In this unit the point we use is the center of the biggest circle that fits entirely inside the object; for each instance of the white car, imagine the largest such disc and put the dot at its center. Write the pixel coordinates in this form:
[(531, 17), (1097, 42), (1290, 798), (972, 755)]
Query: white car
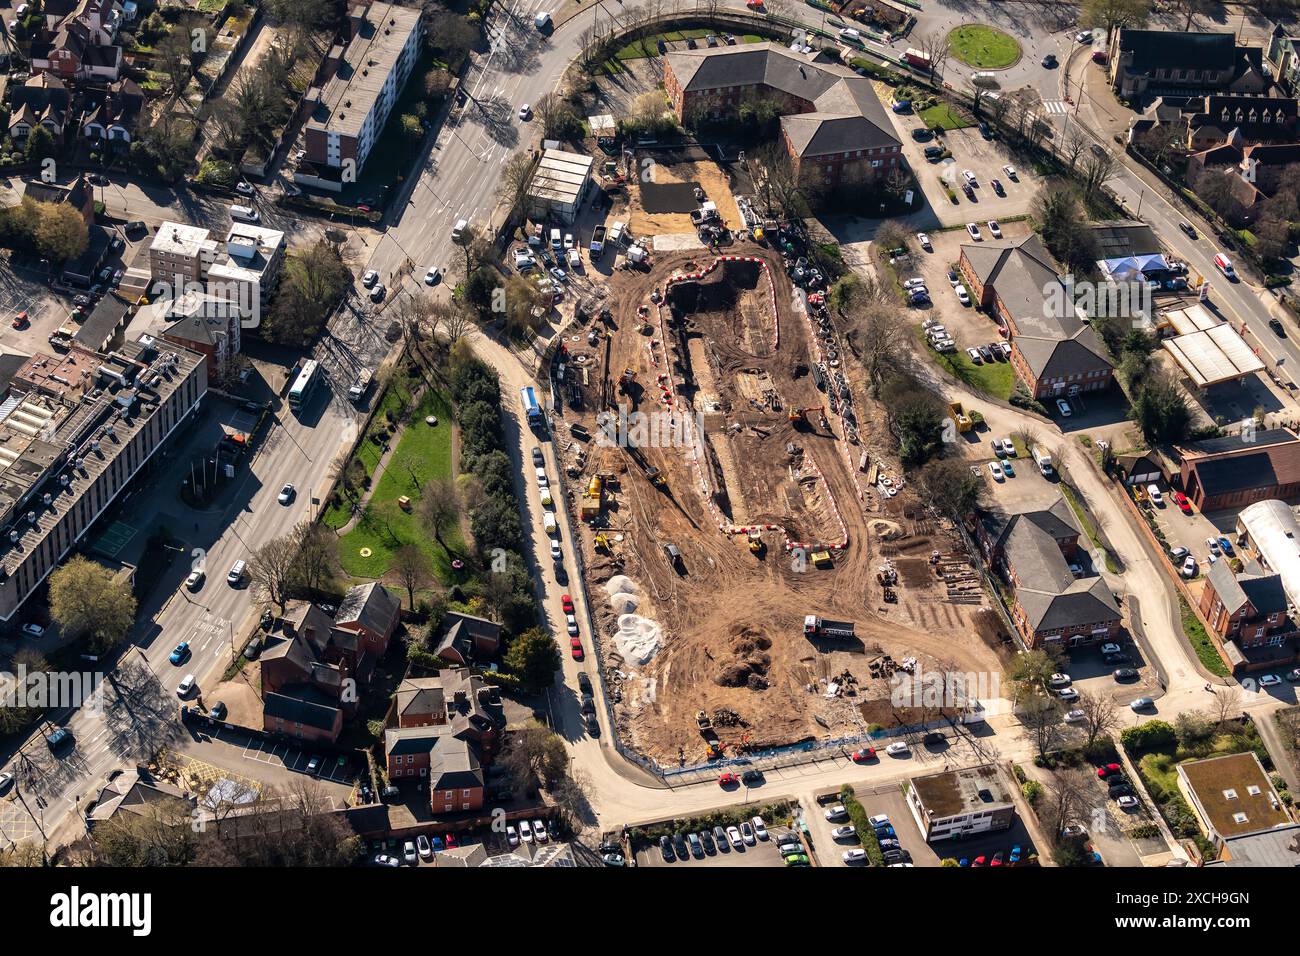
[(974, 231), (836, 812), (1067, 693), (526, 831), (878, 821), (1058, 680), (369, 278), (1011, 173), (1127, 802), (1212, 544), (1005, 349), (844, 833), (286, 494), (916, 282), (924, 240), (568, 240), (995, 228), (962, 295), (1189, 567), (969, 177), (760, 828), (539, 831), (542, 481), (524, 262), (897, 748), (1064, 408), (1110, 648), (186, 686), (571, 625), (854, 856), (194, 581), (734, 836), (1008, 448), (1154, 494), (974, 356), (1269, 680), (747, 834), (423, 847), (33, 630), (996, 471), (433, 276), (244, 189), (1083, 36), (409, 853), (1074, 716), (512, 835), (556, 553), (525, 111)]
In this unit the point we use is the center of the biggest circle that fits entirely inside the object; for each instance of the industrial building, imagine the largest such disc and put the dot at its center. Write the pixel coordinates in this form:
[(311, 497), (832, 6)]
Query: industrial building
[(960, 803), (558, 186)]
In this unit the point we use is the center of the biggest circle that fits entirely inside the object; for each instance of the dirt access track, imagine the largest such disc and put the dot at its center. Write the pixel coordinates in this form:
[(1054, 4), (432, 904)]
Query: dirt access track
[(720, 352)]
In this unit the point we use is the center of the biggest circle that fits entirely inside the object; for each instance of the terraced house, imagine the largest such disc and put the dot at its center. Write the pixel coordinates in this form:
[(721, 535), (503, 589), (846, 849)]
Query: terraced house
[(833, 127)]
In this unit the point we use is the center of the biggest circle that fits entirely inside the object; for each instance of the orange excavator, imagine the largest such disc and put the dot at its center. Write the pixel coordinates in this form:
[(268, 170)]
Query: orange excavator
[(799, 417)]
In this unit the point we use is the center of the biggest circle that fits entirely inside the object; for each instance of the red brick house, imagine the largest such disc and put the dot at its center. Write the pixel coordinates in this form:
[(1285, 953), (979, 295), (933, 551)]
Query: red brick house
[(447, 762), (834, 128), (1229, 472), (464, 639), (453, 696), (1249, 608)]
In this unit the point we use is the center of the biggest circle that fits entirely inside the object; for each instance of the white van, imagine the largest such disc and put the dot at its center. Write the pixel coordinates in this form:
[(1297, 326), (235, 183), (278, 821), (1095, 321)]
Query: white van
[(458, 230), (236, 573), (244, 213), (548, 522), (1224, 265), (542, 21), (850, 35)]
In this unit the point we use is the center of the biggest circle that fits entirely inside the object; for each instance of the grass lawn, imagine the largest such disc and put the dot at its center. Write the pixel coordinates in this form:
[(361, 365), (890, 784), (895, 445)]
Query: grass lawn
[(991, 378), (983, 47), (396, 397), (943, 116), (1200, 641), (423, 453)]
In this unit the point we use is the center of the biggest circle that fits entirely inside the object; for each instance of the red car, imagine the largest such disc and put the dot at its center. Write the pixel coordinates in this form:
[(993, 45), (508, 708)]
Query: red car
[(728, 780), (1106, 771), (997, 860), (979, 861), (1184, 505), (754, 4), (20, 320), (566, 602), (575, 647), (865, 754)]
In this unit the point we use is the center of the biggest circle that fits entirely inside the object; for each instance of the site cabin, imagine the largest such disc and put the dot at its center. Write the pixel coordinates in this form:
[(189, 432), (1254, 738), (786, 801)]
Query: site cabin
[(532, 410), (598, 240), (616, 233), (814, 626)]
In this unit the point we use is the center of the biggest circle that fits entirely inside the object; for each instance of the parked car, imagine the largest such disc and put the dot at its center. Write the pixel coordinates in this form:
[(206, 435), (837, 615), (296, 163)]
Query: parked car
[(1184, 505), (1269, 680), (1189, 567), (854, 856), (1125, 673), (863, 754), (897, 749), (423, 848), (844, 833), (1142, 703), (994, 228), (1064, 408), (836, 812), (995, 470), (974, 231), (733, 835)]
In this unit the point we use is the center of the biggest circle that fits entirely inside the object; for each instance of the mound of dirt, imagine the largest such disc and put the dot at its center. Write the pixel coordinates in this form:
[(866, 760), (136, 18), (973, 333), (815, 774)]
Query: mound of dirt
[(749, 668), (637, 638)]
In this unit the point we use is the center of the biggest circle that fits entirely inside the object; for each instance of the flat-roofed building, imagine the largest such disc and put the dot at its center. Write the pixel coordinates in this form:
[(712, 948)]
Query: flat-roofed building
[(365, 76), (1232, 796), (558, 185), (959, 803), (74, 432)]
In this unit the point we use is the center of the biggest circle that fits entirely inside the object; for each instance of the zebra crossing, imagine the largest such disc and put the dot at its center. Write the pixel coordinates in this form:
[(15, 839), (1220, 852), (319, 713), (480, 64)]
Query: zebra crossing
[(1056, 106)]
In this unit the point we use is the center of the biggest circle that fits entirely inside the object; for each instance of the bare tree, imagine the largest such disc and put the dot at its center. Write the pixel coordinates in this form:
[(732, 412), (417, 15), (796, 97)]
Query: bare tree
[(935, 46), (1098, 167), (439, 509), (516, 175), (273, 570), (1066, 799), (1226, 705), (1100, 716), (1072, 146), (412, 570), (879, 336), (317, 548), (1043, 721)]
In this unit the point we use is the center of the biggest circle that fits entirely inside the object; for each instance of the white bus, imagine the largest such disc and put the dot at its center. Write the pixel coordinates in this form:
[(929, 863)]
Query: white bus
[(303, 385)]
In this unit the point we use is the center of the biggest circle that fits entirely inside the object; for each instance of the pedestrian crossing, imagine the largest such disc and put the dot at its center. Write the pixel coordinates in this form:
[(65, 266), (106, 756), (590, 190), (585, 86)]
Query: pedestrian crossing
[(1056, 106)]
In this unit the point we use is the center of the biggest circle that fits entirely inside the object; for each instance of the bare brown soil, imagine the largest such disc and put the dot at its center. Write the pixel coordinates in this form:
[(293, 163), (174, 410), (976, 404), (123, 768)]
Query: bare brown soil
[(732, 620)]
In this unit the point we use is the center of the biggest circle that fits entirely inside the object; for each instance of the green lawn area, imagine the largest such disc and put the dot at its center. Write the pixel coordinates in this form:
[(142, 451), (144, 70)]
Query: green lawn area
[(1201, 642), (649, 46), (983, 47), (991, 378), (396, 397), (944, 116), (423, 453)]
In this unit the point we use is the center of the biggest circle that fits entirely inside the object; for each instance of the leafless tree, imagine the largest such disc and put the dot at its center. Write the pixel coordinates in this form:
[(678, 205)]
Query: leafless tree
[(1100, 716), (1065, 800), (1226, 705), (412, 570), (1042, 719), (516, 175), (1098, 167), (935, 46), (317, 549), (879, 336), (439, 509), (273, 570), (1072, 146)]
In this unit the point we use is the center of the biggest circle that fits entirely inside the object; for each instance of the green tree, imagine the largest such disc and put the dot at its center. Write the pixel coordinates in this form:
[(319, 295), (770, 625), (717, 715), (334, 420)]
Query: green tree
[(87, 599), (534, 656), (40, 145), (60, 232), (535, 756)]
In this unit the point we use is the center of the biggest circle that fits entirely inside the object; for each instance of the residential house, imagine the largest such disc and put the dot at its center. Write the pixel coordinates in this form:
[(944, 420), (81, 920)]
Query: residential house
[(834, 128), (1150, 62), (138, 793), (78, 194), (42, 100), (453, 696), (111, 116), (1053, 351), (1036, 551), (1236, 470), (1254, 171), (1250, 608), (465, 639), (1282, 57), (1198, 123), (440, 755), (83, 45)]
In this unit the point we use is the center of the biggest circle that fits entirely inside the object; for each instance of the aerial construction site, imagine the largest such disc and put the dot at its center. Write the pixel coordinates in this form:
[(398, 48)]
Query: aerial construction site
[(730, 480)]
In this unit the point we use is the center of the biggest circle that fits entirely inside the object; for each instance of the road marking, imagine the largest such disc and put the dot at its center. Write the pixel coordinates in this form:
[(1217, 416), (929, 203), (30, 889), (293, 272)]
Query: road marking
[(1056, 106)]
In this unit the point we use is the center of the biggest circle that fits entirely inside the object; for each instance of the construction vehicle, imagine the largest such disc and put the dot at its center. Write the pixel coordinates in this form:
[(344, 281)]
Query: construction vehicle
[(814, 626), (702, 720), (822, 559), (964, 423), (643, 320), (756, 545), (799, 416), (601, 542), (597, 240), (887, 575), (626, 380)]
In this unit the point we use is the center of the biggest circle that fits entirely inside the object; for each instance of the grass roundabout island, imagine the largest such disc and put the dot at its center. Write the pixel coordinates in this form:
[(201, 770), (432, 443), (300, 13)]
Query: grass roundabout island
[(983, 47)]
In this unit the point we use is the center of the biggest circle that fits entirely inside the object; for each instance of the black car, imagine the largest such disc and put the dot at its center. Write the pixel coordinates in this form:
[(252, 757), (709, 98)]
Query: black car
[(1121, 791), (666, 848), (593, 725), (1049, 61), (934, 738), (985, 131), (707, 839), (98, 179), (1276, 326), (690, 43), (218, 711), (933, 152), (253, 648), (1188, 228), (826, 799), (1125, 673), (752, 778), (538, 460), (561, 575), (267, 620), (922, 135), (584, 682), (588, 704), (680, 845), (895, 856)]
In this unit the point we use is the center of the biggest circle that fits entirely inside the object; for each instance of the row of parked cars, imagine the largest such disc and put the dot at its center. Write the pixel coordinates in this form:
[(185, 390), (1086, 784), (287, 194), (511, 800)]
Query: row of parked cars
[(890, 848), (698, 845)]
